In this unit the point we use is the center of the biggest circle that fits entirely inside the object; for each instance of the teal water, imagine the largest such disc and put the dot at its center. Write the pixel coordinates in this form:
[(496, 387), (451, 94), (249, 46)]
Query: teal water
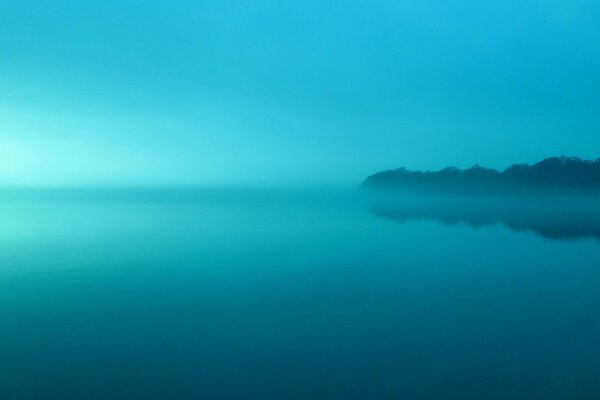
[(242, 294)]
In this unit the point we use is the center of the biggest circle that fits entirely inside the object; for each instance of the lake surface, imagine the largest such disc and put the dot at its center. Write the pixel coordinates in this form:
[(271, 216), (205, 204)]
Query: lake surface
[(292, 294)]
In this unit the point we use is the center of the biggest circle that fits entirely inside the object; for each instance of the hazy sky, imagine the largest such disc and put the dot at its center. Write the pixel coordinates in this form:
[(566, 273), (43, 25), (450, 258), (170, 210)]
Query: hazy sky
[(218, 91)]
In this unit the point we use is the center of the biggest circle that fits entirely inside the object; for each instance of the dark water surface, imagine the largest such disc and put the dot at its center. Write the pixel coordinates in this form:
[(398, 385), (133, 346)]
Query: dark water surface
[(217, 294)]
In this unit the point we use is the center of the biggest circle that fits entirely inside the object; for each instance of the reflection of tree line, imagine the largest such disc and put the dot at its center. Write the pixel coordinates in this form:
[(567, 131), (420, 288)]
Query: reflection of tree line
[(550, 218)]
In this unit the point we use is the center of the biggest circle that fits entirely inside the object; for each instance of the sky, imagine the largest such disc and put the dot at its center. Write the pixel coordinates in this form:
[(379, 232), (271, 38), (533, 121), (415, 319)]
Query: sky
[(291, 92)]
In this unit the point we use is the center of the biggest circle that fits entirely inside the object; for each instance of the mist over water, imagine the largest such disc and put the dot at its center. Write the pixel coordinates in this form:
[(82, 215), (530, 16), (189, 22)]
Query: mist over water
[(468, 271), (153, 293)]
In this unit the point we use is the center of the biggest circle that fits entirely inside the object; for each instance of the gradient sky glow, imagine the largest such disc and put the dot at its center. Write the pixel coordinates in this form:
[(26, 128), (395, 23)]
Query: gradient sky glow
[(270, 91)]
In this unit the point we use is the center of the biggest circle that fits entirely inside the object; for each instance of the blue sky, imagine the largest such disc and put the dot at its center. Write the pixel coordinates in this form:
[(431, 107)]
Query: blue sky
[(226, 92)]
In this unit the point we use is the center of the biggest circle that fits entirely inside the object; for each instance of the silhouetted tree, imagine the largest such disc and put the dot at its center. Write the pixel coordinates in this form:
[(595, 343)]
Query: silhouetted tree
[(552, 174)]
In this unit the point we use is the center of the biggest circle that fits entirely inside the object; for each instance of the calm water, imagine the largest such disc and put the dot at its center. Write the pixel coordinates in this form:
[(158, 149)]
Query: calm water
[(212, 294)]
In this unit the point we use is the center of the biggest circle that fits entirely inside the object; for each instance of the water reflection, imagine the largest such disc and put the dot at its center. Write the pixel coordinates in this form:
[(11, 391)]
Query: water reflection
[(568, 218)]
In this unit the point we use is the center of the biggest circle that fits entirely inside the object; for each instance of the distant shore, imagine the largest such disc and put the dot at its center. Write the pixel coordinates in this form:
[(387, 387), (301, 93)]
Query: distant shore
[(557, 175)]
